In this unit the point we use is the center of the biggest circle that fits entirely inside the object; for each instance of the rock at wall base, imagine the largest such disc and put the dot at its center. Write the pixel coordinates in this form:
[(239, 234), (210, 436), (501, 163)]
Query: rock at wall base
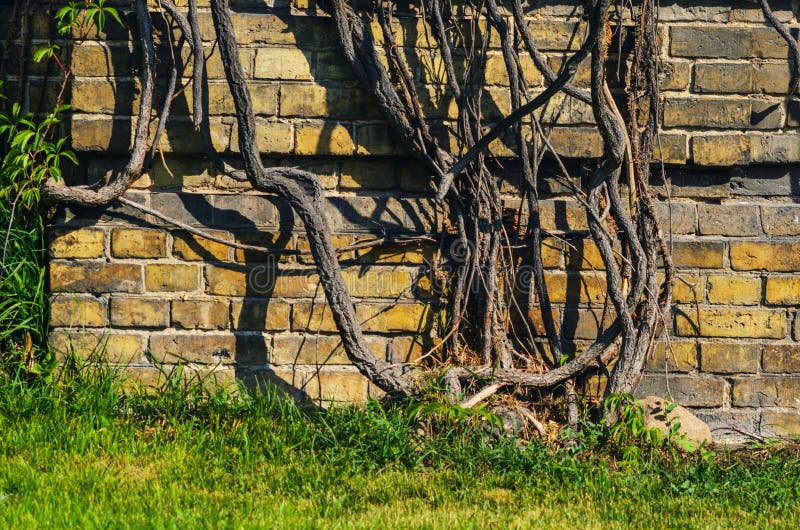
[(696, 431)]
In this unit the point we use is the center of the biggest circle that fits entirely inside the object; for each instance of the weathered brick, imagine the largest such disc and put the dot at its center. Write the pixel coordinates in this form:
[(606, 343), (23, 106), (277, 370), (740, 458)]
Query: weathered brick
[(101, 60), (687, 289), (675, 75), (84, 243), (324, 139), (736, 290), (783, 290), (781, 424), (672, 148), (394, 319), (396, 254), (171, 277), (729, 358), (191, 247), (260, 314), (95, 277), (562, 215), (229, 281), (404, 349), (781, 220), (700, 254), (723, 78), (497, 74), (677, 217), (729, 219), (104, 96), (576, 288), (78, 311), (305, 349), (197, 347), (781, 358), (312, 317), (685, 390), (109, 347), (136, 243), (272, 137), (770, 78), (334, 103), (316, 350), (377, 139), (766, 392), (330, 385), (729, 42), (283, 63), (200, 314), (774, 148), (378, 282), (677, 356), (765, 255), (728, 113), (556, 34), (577, 142), (139, 312), (338, 242), (733, 323)]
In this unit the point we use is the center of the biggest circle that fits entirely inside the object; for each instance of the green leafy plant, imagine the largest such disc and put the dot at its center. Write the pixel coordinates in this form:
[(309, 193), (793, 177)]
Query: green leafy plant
[(33, 154)]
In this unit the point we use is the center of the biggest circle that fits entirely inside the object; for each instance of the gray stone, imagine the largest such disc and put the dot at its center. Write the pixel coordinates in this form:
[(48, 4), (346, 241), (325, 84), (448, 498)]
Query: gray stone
[(696, 431)]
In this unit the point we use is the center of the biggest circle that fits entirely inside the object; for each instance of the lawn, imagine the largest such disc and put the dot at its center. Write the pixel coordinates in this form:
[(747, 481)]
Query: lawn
[(81, 453)]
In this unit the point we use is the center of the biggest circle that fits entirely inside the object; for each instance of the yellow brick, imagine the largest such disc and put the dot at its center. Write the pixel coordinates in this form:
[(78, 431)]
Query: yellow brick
[(114, 348), (367, 175), (135, 243), (78, 311), (678, 357), (94, 277), (226, 281), (338, 386), (396, 318), (171, 277), (200, 314), (338, 242), (260, 314), (139, 312), (197, 347), (688, 288), (396, 254), (283, 63), (575, 288), (313, 317), (720, 150), (273, 137), (729, 358), (378, 140), (733, 323), (763, 255), (737, 290), (191, 247), (323, 139), (700, 254), (497, 74), (297, 284), (85, 243), (407, 349), (376, 283), (313, 350), (783, 290), (583, 254)]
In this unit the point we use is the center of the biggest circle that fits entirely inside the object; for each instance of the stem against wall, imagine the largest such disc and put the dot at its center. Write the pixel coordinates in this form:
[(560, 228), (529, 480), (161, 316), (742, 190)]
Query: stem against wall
[(485, 295)]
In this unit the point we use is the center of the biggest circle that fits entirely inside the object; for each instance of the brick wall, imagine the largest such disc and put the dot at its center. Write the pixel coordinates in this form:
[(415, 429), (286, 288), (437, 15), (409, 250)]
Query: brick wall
[(154, 294)]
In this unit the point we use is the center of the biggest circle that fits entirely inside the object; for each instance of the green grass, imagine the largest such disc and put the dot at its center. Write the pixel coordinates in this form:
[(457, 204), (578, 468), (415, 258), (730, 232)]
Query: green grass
[(79, 453)]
